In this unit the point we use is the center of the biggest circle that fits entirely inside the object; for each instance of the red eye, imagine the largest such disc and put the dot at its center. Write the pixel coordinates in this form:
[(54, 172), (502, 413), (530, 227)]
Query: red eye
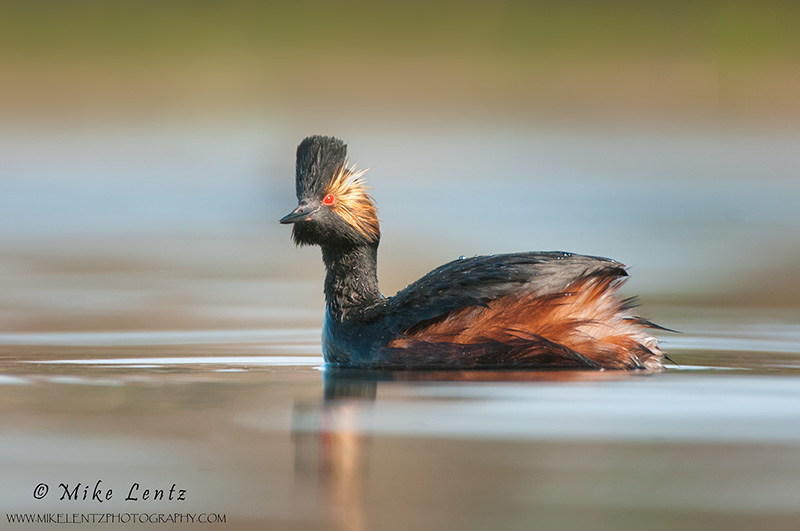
[(328, 200)]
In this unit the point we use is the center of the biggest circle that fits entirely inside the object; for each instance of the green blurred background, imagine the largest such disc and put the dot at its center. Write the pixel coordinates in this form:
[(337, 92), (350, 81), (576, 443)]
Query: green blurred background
[(582, 59)]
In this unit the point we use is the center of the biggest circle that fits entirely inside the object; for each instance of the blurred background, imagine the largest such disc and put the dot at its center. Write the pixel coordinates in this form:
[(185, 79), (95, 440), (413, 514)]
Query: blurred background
[(158, 325), (147, 150)]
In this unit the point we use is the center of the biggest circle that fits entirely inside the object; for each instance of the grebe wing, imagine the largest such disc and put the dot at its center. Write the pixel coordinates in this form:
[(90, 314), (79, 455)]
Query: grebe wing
[(478, 280)]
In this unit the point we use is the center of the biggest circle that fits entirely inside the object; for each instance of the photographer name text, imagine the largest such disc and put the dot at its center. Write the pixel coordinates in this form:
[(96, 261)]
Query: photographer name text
[(99, 493)]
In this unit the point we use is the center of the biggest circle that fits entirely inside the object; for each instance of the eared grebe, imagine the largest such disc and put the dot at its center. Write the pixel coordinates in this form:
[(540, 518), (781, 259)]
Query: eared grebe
[(529, 310)]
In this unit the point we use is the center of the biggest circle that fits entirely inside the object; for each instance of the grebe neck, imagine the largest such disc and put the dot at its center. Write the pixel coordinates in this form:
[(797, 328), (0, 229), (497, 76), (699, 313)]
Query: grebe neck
[(352, 278)]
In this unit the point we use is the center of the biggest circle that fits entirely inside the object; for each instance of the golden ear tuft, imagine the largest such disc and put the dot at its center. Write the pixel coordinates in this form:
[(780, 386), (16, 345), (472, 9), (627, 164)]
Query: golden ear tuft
[(352, 202)]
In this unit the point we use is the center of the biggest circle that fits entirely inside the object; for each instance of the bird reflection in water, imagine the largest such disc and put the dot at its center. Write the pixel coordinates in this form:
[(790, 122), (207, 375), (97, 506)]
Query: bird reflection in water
[(332, 447), (333, 437)]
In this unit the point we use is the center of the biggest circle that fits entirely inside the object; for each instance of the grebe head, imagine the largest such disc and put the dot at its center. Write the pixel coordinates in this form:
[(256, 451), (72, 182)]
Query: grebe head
[(334, 208)]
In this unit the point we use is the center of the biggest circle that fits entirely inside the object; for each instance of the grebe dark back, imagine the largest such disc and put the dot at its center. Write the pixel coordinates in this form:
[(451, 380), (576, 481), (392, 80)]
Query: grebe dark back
[(530, 310)]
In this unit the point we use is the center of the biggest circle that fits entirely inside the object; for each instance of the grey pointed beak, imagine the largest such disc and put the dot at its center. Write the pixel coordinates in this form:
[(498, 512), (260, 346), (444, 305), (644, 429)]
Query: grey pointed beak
[(303, 212)]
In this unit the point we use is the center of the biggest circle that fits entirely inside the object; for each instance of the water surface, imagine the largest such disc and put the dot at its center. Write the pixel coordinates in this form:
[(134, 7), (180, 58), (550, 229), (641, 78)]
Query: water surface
[(170, 341)]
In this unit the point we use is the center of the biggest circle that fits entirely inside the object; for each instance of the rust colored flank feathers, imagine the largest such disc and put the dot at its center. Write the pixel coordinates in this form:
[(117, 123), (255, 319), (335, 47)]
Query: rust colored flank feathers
[(586, 321)]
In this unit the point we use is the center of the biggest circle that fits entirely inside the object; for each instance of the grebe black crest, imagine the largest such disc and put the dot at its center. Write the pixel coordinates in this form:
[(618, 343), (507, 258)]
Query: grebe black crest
[(531, 310)]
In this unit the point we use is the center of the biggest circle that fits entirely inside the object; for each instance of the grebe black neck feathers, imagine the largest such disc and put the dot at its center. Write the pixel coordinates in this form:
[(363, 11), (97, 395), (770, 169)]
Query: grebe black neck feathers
[(351, 282), (336, 213), (523, 310)]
